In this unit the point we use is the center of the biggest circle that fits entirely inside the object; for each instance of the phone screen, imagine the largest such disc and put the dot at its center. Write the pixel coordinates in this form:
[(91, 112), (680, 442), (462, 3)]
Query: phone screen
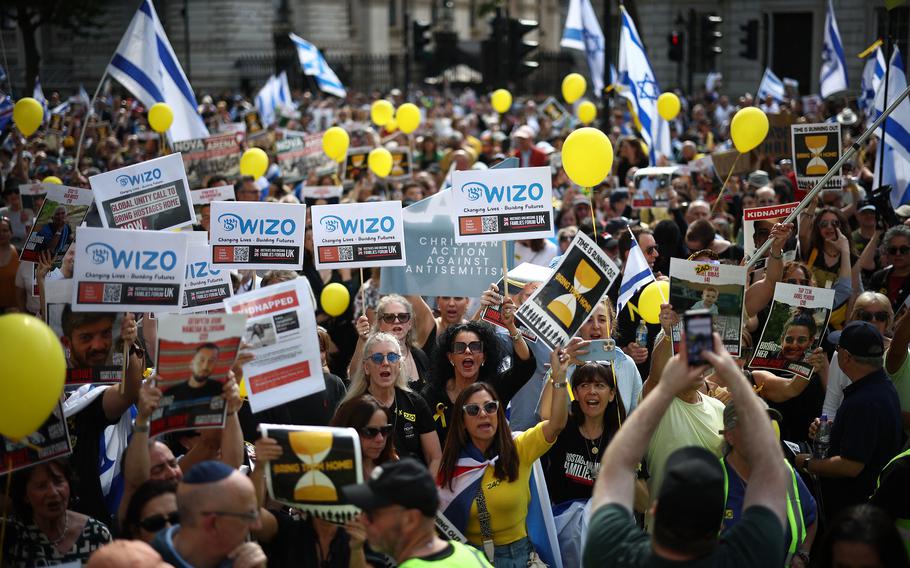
[(699, 326)]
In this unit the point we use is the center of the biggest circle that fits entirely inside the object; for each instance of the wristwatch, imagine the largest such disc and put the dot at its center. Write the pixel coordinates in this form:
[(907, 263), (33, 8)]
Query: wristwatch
[(516, 336), (561, 385), (806, 461), (143, 428), (802, 555)]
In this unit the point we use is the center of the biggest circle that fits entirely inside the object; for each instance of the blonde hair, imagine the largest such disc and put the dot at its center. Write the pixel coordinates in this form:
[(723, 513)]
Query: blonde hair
[(867, 298), (382, 308), (360, 382)]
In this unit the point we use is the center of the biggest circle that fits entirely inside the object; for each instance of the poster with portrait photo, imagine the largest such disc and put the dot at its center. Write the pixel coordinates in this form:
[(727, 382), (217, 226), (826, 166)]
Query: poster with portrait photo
[(32, 195), (49, 442), (718, 288), (203, 198), (54, 229), (195, 353), (315, 463), (795, 326), (757, 225)]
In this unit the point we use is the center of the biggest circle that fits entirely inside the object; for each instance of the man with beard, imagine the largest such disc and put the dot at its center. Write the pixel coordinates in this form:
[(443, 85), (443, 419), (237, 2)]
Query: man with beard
[(56, 235), (199, 385)]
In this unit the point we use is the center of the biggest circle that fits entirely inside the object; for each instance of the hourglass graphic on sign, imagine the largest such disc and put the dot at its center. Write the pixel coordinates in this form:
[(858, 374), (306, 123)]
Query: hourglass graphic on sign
[(816, 165), (312, 448), (563, 307)]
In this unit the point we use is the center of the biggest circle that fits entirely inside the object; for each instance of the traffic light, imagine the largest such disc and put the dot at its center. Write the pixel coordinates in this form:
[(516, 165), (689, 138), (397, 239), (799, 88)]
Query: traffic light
[(675, 46), (749, 40), (494, 63), (446, 50), (421, 39), (711, 36), (520, 48)]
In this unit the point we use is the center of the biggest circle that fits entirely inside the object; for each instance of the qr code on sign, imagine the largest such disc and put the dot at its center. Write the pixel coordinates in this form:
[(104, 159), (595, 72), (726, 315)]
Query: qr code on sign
[(112, 293), (345, 253), (489, 224), (241, 254)]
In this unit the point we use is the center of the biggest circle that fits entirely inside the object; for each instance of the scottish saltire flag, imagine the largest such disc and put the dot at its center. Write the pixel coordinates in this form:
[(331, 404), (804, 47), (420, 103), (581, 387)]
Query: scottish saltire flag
[(636, 274), (833, 74), (313, 63), (584, 34), (273, 96), (771, 85), (638, 84), (896, 164), (873, 75), (146, 65), (6, 111)]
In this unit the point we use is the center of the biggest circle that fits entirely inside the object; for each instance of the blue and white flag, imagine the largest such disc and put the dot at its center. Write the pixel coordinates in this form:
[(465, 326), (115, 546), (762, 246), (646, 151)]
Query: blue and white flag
[(896, 166), (771, 85), (873, 75), (584, 34), (146, 65), (313, 63), (38, 95), (6, 111), (833, 74), (638, 84), (276, 94), (636, 274)]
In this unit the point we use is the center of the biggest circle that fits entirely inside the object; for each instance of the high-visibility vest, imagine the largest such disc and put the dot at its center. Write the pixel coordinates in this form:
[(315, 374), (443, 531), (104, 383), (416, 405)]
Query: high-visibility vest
[(794, 509), (903, 525), (464, 557)]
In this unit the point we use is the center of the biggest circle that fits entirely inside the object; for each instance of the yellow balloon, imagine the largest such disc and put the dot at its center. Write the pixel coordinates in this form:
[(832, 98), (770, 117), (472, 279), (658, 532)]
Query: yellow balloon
[(650, 300), (587, 156), (53, 179), (335, 143), (408, 117), (573, 87), (380, 162), (501, 100), (254, 162), (160, 117), (28, 114), (381, 112), (587, 112), (668, 106), (31, 376), (335, 298), (391, 125), (748, 128)]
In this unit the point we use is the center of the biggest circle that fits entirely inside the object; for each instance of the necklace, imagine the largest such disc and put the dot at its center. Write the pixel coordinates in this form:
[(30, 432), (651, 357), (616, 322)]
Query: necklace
[(594, 444), (59, 539)]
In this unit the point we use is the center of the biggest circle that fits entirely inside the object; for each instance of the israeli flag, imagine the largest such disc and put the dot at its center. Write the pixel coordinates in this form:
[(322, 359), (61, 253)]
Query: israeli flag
[(146, 65), (313, 63), (833, 78), (272, 97), (6, 111), (771, 85), (38, 95), (584, 34), (873, 75), (638, 84), (896, 142), (636, 275)]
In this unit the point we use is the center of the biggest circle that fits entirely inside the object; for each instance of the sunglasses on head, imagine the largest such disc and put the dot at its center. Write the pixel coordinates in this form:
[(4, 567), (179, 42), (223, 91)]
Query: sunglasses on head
[(157, 522), (373, 431), (869, 316), (832, 223), (378, 358), (489, 407), (460, 347), (899, 250), (391, 318)]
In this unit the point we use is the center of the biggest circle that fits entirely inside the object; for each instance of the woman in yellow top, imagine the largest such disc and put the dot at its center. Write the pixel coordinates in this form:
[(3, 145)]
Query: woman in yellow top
[(485, 469)]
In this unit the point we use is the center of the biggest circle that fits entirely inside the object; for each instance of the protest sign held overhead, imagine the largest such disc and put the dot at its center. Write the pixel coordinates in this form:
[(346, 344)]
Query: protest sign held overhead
[(315, 463), (758, 222), (563, 303), (777, 144), (203, 197), (281, 331), (32, 194), (795, 326), (652, 187), (50, 442), (116, 271), (205, 287), (503, 204), (150, 195), (55, 224), (299, 155), (355, 166), (329, 193), (401, 163), (358, 235), (554, 110), (816, 148), (195, 353), (205, 157), (524, 280), (257, 235)]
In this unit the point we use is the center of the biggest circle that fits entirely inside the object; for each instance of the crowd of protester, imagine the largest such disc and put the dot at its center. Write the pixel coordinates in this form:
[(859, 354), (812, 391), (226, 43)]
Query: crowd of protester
[(661, 462)]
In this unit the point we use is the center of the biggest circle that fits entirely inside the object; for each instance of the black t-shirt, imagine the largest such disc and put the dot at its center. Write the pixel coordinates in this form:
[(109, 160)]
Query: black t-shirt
[(892, 494), (412, 419), (316, 409), (799, 411), (296, 544), (86, 429), (572, 464), (184, 391)]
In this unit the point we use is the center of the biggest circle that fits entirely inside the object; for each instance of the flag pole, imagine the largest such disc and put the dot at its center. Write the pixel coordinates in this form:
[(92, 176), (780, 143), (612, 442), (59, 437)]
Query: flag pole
[(661, 292), (835, 169), (881, 150), (88, 113)]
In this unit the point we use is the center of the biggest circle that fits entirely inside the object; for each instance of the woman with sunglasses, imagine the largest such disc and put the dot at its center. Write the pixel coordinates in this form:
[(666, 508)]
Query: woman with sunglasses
[(381, 375), (484, 462), (894, 279), (152, 507), (826, 244), (395, 316)]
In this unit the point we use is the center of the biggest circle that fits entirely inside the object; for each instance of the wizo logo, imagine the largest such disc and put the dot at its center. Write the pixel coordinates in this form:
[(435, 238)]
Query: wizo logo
[(103, 253), (231, 222), (368, 225), (142, 177)]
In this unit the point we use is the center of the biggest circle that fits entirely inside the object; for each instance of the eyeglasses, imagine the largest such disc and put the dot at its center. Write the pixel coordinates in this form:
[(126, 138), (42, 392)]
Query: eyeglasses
[(489, 407), (460, 347), (869, 316), (832, 223), (651, 249), (157, 522), (899, 250), (378, 358), (797, 281), (392, 318), (566, 238), (250, 517), (790, 340), (373, 431)]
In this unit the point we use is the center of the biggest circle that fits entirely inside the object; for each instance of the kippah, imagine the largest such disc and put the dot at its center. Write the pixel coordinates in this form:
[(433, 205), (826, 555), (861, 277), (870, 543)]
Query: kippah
[(207, 472)]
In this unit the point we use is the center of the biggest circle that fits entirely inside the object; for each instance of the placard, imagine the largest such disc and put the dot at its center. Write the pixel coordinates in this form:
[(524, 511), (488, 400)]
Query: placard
[(195, 353), (51, 441), (401, 163), (552, 109), (119, 271), (315, 463), (763, 218), (298, 156), (777, 144), (31, 194), (816, 148), (718, 288), (503, 204), (257, 235), (358, 235), (519, 278), (281, 330), (204, 287), (316, 192), (55, 224), (205, 157), (651, 191), (355, 166), (795, 326), (208, 195), (150, 195), (564, 303)]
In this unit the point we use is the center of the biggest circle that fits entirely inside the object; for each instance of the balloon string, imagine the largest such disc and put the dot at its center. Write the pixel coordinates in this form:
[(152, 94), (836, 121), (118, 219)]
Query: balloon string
[(363, 293), (505, 272), (724, 187), (9, 479)]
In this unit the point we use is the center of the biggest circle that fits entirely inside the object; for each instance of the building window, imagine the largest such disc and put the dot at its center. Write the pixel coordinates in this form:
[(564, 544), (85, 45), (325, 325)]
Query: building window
[(900, 27), (393, 13)]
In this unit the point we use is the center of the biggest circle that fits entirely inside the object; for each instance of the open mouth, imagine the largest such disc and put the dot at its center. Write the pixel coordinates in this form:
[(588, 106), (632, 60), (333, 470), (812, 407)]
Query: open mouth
[(385, 374), (596, 335), (485, 427), (467, 364), (592, 403)]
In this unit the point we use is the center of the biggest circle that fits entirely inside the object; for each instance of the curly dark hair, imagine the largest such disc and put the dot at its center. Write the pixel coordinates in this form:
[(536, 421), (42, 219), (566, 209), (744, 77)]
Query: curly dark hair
[(356, 413), (615, 411), (143, 494), (19, 485), (492, 351)]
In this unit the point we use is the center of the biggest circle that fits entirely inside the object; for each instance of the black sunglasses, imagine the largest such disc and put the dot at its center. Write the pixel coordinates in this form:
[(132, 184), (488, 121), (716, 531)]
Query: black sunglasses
[(157, 522), (899, 250), (489, 407), (460, 347), (869, 316), (373, 431), (391, 318)]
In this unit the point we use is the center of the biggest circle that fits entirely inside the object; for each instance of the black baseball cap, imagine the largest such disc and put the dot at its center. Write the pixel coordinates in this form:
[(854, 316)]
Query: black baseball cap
[(690, 502), (859, 338), (406, 482)]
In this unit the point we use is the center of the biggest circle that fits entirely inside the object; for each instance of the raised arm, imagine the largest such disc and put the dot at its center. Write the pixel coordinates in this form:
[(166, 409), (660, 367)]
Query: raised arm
[(897, 352), (522, 351), (424, 321), (115, 400), (232, 448), (867, 258), (136, 460), (760, 294), (662, 350), (806, 221), (558, 413)]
